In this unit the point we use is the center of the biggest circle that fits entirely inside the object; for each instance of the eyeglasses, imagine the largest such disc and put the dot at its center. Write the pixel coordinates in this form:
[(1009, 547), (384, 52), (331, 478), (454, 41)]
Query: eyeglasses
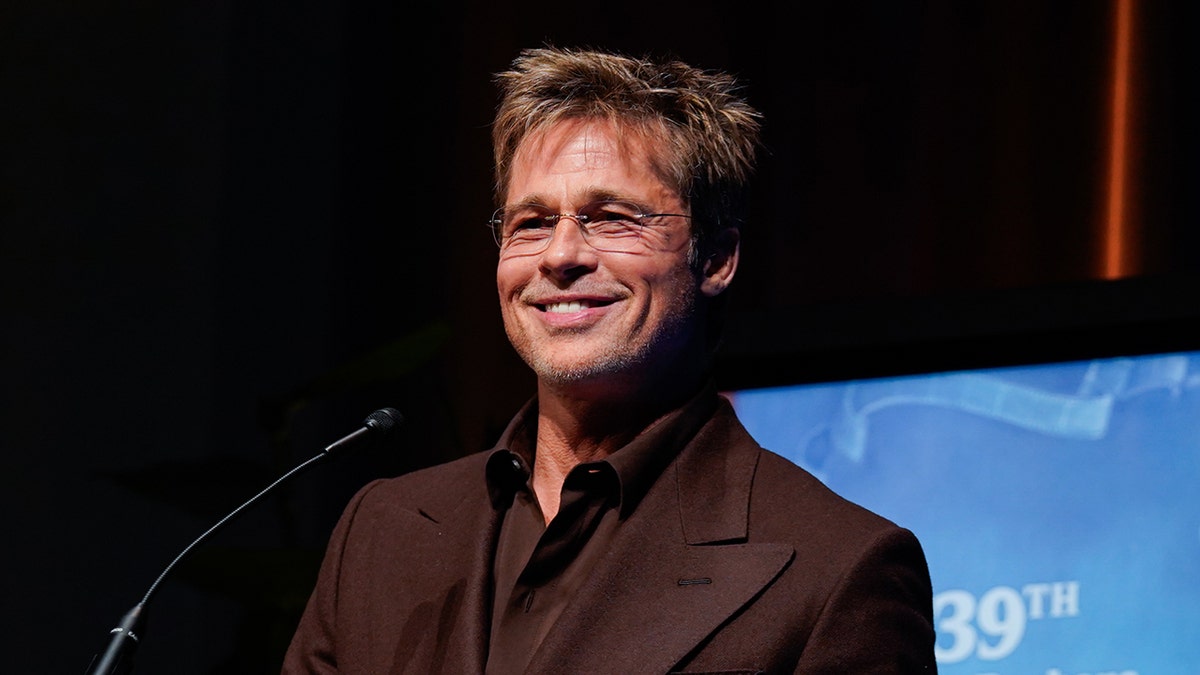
[(607, 225)]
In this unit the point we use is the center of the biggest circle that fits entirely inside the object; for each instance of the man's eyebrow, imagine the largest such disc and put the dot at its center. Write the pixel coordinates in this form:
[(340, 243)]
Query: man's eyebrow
[(528, 200), (590, 196), (607, 196)]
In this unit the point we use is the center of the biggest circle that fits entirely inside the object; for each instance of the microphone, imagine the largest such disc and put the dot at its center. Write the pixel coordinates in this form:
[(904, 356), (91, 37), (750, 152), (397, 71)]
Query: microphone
[(379, 423), (117, 659)]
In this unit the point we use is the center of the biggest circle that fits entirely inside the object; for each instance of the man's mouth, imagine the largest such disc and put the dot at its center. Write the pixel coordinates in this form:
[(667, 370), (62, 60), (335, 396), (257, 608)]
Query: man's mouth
[(565, 307), (572, 306)]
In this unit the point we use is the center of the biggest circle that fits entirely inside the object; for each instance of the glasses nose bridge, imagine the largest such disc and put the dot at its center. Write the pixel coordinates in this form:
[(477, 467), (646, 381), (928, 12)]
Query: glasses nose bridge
[(557, 240), (580, 219)]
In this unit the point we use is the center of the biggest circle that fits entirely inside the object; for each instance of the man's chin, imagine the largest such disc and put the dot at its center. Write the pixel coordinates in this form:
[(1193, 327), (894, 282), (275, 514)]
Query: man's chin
[(582, 370)]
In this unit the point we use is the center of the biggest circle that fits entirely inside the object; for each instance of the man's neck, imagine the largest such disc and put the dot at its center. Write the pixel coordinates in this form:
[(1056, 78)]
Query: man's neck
[(579, 424)]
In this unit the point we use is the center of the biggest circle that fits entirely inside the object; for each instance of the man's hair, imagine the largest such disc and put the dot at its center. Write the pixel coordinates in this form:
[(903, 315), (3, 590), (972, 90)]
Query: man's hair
[(707, 134)]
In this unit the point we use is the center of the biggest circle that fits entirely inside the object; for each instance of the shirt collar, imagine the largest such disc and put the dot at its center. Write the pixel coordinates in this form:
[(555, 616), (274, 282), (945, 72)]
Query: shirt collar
[(511, 460), (637, 465)]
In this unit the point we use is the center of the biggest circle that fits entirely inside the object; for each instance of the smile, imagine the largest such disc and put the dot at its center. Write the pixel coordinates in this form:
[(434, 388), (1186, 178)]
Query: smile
[(566, 307), (572, 306)]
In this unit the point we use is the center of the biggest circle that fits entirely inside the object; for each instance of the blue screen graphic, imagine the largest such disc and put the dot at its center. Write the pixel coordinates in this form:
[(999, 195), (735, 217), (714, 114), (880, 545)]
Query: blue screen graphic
[(1058, 504)]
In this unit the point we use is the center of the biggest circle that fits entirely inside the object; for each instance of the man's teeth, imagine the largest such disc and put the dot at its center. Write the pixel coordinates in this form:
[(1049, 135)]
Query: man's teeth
[(566, 307)]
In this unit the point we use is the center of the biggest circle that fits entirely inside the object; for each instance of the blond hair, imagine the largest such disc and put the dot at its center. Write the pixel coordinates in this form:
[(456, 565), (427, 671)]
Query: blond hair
[(705, 133)]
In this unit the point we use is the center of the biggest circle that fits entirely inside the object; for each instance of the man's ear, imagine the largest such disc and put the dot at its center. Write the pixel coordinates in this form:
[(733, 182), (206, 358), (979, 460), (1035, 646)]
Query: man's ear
[(721, 263)]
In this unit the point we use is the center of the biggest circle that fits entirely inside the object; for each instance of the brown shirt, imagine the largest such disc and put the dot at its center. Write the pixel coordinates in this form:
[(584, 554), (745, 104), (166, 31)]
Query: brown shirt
[(538, 567)]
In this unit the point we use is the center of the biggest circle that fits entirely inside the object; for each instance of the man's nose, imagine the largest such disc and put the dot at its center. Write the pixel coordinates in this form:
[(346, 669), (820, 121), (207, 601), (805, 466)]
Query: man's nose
[(568, 253)]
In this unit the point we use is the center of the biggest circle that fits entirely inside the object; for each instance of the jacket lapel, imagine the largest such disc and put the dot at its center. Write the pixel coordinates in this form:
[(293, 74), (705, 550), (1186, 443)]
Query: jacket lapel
[(693, 525), (458, 571)]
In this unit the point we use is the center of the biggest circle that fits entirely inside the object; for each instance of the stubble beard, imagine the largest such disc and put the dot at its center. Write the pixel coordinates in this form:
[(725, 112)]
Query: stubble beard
[(618, 356)]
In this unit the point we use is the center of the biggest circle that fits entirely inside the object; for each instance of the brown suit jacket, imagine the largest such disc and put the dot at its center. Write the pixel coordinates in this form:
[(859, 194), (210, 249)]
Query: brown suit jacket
[(736, 561)]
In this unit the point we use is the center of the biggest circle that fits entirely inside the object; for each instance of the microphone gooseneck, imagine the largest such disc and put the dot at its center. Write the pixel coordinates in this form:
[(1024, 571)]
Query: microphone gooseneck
[(117, 659)]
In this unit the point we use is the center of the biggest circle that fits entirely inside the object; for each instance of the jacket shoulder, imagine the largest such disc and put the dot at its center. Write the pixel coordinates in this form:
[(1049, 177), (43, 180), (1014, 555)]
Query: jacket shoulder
[(436, 488), (789, 503)]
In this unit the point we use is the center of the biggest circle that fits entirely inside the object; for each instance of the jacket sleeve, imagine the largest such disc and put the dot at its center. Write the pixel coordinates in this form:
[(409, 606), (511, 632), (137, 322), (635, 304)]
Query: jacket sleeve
[(879, 618)]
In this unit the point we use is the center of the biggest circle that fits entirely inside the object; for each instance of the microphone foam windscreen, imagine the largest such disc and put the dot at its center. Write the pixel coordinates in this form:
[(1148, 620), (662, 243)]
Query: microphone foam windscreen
[(384, 420)]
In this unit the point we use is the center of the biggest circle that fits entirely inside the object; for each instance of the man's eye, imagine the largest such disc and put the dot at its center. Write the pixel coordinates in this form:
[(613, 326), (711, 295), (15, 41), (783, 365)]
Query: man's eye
[(530, 222), (613, 213), (611, 217)]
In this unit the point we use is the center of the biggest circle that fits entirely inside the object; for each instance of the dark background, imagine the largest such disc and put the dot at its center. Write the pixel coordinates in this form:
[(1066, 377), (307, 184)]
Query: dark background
[(231, 230)]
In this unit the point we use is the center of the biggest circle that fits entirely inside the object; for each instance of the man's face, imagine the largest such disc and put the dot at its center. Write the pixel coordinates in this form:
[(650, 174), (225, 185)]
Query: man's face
[(578, 314)]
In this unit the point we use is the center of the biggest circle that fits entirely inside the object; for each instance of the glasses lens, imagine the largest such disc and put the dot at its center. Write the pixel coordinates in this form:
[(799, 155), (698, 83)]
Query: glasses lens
[(612, 225), (525, 229)]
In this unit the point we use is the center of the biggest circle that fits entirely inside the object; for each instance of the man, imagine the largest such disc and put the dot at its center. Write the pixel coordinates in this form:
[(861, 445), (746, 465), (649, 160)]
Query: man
[(625, 522)]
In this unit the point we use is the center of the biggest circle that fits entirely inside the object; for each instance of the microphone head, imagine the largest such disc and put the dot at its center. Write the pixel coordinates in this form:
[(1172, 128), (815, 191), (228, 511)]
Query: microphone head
[(377, 425), (384, 421)]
